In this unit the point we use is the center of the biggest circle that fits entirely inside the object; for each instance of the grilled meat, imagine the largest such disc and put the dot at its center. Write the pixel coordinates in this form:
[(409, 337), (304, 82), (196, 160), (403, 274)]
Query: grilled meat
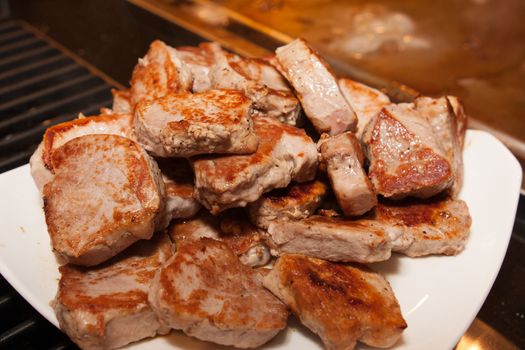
[(316, 87), (207, 293), (107, 193)]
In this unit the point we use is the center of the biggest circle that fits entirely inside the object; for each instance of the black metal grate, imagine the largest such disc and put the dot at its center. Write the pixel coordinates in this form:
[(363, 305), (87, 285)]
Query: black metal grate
[(39, 86)]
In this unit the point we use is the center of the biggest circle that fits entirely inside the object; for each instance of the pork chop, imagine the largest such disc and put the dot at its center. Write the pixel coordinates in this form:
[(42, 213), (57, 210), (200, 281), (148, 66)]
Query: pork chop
[(332, 238), (207, 293), (159, 73), (340, 303), (260, 81), (316, 87), (107, 193), (106, 307), (285, 153), (366, 101), (178, 181), (344, 165), (436, 226), (297, 201), (243, 239), (406, 157), (184, 125), (57, 135)]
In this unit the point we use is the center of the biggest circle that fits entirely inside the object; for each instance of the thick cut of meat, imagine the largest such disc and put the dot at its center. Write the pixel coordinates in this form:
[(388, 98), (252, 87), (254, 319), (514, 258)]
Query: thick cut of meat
[(367, 102), (184, 125), (159, 73), (332, 239), (199, 61), (297, 201), (285, 153), (340, 303), (316, 88), (107, 193), (438, 226), (207, 293), (106, 307), (450, 130), (260, 81), (121, 102), (406, 157), (178, 181), (240, 236), (57, 135), (344, 165)]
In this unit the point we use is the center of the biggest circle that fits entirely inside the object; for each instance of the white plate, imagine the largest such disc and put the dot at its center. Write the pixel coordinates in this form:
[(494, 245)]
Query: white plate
[(439, 296)]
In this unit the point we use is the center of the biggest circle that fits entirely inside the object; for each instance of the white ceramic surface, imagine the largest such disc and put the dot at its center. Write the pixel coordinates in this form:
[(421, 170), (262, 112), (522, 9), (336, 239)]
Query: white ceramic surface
[(439, 296)]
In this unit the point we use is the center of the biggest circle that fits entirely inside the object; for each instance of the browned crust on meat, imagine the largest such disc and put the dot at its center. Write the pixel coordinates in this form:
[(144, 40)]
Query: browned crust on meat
[(149, 75), (338, 299), (53, 131), (409, 175), (229, 167), (233, 314), (139, 182), (297, 193)]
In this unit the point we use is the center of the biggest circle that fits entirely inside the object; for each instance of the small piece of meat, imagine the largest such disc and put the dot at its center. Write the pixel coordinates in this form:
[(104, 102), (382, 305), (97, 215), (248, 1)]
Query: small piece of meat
[(240, 236), (436, 226), (344, 165), (57, 135), (107, 193), (184, 125), (316, 87), (367, 102), (285, 153), (260, 81), (342, 304), (121, 102), (106, 307), (207, 293), (159, 73), (178, 181), (333, 239), (199, 61), (297, 201), (406, 157)]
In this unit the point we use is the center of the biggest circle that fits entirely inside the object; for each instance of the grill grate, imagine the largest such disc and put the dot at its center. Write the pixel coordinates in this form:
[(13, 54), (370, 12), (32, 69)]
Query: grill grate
[(39, 86)]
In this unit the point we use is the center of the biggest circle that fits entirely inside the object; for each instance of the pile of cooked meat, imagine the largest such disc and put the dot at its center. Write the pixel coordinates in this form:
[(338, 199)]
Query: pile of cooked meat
[(220, 192)]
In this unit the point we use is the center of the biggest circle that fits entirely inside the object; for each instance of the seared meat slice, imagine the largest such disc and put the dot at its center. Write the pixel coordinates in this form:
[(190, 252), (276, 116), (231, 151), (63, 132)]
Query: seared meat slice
[(184, 125), (106, 307), (206, 292), (344, 164), (178, 181), (297, 201), (121, 102), (260, 81), (316, 88), (57, 135), (340, 303), (107, 193), (438, 226), (159, 73), (332, 239), (240, 236), (367, 102), (199, 61), (449, 127), (406, 157), (285, 153)]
